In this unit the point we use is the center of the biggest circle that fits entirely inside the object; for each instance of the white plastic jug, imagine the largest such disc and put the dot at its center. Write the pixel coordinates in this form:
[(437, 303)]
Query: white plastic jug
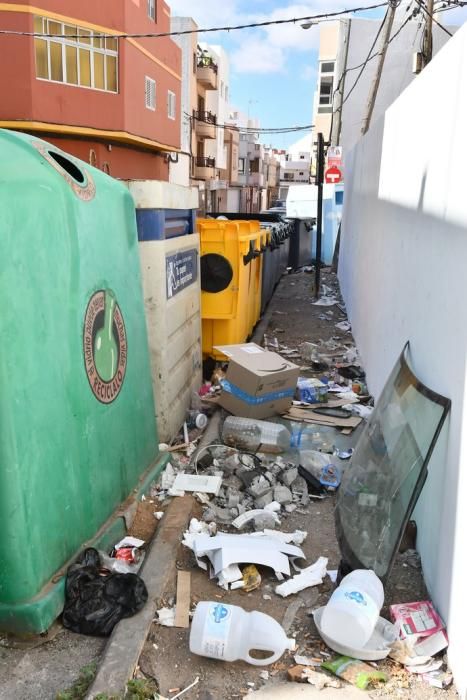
[(352, 612), (229, 633)]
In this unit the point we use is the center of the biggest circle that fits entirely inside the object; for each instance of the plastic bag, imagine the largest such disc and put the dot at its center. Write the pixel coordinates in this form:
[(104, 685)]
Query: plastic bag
[(95, 600), (356, 672)]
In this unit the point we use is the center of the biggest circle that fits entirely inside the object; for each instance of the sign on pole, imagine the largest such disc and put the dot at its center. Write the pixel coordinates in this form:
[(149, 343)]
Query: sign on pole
[(333, 175)]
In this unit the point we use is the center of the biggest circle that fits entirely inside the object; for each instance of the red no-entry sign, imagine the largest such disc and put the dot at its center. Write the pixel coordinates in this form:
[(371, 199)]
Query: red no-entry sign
[(333, 175)]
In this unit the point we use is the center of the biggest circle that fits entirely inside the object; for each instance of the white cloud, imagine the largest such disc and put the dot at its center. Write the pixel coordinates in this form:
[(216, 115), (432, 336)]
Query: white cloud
[(260, 50), (207, 13), (258, 56)]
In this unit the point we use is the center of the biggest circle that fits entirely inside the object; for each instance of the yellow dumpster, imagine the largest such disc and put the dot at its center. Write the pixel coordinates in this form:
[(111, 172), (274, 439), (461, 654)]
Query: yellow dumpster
[(228, 280)]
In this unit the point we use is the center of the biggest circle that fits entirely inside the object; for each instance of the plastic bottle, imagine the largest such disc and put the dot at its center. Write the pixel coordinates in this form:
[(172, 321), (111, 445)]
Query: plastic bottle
[(352, 612), (251, 435), (229, 633)]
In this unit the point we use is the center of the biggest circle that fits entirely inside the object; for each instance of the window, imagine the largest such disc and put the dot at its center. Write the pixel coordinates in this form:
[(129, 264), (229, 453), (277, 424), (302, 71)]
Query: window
[(326, 85), (325, 94), (327, 67), (226, 93), (152, 9), (288, 176), (302, 157), (301, 173), (241, 166), (75, 56), (171, 104), (195, 63), (150, 93), (254, 165)]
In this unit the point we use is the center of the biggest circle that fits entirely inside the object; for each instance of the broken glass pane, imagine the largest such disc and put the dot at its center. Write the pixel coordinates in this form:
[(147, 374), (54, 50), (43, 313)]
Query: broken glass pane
[(387, 471)]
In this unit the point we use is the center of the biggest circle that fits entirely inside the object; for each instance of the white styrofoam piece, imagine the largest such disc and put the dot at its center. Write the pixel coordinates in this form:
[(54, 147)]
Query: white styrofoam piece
[(197, 482)]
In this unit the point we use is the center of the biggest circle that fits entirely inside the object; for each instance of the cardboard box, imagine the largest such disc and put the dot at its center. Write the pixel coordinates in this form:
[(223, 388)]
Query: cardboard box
[(258, 383), (420, 619)]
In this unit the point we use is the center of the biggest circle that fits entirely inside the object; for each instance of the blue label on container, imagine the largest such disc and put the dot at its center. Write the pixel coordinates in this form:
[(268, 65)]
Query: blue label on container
[(255, 400), (216, 630), (181, 270), (356, 596)]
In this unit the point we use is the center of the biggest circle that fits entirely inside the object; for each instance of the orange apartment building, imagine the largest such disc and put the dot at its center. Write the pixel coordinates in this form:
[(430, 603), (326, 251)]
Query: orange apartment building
[(112, 102)]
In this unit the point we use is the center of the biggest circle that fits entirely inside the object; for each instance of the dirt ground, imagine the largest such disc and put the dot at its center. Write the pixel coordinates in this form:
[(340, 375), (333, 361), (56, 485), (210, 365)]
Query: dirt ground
[(42, 672), (166, 656)]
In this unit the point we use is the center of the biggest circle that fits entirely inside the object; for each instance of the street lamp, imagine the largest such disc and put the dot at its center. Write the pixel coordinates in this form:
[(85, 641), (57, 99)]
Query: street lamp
[(307, 25)]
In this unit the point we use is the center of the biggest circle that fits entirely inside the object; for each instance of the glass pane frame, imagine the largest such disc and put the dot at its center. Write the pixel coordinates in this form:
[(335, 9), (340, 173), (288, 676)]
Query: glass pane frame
[(387, 472), (78, 38)]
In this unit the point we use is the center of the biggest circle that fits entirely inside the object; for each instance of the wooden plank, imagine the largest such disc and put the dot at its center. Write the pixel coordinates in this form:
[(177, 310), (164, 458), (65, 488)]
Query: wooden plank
[(182, 609)]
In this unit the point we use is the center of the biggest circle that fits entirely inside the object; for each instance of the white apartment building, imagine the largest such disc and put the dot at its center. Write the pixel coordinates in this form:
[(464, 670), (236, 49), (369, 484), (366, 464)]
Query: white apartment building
[(344, 45), (295, 165)]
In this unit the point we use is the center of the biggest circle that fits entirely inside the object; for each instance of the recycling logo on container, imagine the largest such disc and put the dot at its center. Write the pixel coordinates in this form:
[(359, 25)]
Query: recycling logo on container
[(105, 346)]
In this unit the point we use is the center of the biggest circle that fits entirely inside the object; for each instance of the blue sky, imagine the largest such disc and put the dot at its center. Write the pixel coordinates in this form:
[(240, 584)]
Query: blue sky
[(273, 69)]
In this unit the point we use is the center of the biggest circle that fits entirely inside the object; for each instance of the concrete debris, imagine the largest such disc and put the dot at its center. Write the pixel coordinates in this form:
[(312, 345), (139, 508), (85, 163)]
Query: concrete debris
[(283, 495), (288, 476), (268, 515), (168, 477)]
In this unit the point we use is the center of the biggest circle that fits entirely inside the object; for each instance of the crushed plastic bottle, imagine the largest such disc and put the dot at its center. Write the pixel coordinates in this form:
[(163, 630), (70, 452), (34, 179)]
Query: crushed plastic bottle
[(229, 633), (254, 435)]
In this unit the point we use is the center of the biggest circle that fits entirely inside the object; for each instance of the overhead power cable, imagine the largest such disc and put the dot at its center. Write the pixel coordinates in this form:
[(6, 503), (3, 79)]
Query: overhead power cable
[(368, 59), (251, 129), (365, 62), (433, 18), (158, 35)]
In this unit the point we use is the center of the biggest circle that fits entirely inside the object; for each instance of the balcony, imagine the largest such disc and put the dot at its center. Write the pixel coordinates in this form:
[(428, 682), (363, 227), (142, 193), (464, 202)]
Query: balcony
[(206, 73), (205, 124), (204, 167), (256, 180)]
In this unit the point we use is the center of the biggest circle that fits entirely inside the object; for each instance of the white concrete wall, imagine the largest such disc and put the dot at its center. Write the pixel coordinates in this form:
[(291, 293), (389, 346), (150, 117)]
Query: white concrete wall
[(397, 71), (403, 272)]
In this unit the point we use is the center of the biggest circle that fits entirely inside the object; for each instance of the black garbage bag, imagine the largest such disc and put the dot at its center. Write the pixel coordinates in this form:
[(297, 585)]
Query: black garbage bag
[(96, 599)]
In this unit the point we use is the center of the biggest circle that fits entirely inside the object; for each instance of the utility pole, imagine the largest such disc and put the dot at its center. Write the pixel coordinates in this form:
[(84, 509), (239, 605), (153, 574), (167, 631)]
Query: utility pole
[(319, 213), (428, 34), (389, 21), (335, 135)]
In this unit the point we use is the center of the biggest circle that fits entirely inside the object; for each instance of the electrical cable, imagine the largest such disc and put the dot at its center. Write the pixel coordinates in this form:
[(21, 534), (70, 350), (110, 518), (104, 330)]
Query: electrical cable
[(254, 130), (367, 60), (157, 35), (425, 10)]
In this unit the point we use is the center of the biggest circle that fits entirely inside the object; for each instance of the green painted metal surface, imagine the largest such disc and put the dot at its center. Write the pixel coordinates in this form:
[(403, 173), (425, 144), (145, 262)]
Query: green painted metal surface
[(76, 407)]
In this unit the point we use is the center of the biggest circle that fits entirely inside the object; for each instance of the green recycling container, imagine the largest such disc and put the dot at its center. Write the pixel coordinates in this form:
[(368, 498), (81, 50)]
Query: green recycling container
[(77, 431)]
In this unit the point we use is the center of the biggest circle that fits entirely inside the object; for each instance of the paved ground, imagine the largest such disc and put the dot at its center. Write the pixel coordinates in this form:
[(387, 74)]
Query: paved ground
[(43, 672)]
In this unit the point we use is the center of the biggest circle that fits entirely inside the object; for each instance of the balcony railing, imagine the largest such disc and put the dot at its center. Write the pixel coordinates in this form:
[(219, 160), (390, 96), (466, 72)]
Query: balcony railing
[(203, 116), (205, 162)]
